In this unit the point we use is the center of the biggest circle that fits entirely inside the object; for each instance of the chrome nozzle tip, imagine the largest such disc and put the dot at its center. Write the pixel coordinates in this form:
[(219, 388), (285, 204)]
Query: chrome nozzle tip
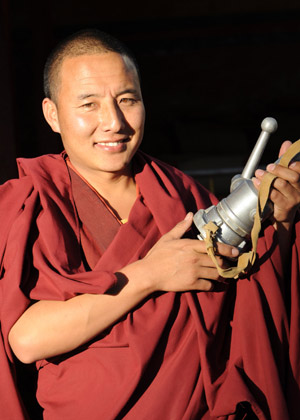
[(269, 125)]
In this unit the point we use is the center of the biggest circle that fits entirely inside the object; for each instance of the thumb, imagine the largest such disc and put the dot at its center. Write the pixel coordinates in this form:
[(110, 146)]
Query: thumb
[(179, 230)]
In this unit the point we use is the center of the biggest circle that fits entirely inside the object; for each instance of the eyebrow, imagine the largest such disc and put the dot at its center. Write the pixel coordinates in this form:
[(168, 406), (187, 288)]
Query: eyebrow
[(96, 95), (129, 90), (87, 95)]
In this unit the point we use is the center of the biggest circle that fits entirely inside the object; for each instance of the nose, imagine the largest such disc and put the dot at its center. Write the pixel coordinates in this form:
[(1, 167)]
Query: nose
[(111, 117)]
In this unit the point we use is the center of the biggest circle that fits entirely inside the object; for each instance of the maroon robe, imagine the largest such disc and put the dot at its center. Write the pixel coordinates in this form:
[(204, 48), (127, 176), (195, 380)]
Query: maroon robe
[(177, 355), (98, 222)]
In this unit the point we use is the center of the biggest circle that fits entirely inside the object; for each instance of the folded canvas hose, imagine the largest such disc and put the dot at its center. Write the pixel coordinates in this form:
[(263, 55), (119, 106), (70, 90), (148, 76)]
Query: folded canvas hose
[(246, 260)]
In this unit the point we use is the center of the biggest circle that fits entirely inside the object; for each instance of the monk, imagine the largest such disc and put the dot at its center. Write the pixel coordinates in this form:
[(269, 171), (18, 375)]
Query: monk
[(104, 285)]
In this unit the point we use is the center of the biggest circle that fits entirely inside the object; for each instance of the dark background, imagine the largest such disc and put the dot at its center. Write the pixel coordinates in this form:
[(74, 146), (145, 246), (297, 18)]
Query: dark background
[(211, 71)]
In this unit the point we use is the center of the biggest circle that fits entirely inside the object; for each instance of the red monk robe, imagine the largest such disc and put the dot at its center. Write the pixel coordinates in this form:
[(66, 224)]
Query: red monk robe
[(176, 356)]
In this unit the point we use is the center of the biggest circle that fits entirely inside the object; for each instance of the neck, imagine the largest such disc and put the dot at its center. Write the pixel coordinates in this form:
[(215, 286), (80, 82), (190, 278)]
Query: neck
[(119, 190)]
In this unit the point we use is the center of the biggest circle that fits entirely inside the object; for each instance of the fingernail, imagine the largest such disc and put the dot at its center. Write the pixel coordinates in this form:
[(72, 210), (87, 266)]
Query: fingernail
[(292, 165), (234, 252), (256, 181), (188, 216), (271, 167), (259, 172)]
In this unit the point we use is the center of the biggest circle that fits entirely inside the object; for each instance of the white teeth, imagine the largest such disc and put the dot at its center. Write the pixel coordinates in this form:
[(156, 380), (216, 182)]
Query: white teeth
[(110, 143)]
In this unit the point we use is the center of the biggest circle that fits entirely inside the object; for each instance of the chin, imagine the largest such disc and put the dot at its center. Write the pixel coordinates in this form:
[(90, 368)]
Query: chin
[(115, 169)]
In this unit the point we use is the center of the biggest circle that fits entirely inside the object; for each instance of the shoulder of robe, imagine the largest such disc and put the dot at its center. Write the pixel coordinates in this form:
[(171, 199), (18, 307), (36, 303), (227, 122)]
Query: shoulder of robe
[(187, 187), (15, 189), (45, 165)]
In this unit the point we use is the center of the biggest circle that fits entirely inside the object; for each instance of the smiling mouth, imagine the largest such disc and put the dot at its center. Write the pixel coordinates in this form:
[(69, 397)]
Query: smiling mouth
[(112, 143)]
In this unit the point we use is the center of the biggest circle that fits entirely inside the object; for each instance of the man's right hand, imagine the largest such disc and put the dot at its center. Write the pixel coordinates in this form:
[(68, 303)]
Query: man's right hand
[(175, 265)]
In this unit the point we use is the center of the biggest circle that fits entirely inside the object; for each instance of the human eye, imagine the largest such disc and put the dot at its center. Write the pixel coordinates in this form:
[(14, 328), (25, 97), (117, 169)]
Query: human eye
[(128, 101), (88, 106)]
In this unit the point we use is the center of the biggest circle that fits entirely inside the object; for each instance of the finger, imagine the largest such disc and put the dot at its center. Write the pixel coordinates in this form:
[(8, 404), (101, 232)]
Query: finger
[(204, 285), (206, 261), (179, 230), (291, 174), (259, 174), (211, 286), (221, 249), (295, 166), (284, 195), (256, 182), (226, 250), (284, 147)]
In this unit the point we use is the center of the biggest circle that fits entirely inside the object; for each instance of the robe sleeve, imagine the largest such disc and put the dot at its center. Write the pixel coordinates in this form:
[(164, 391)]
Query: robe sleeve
[(16, 198)]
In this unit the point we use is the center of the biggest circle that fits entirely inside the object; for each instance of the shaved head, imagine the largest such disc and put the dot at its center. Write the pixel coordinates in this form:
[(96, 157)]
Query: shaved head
[(87, 42)]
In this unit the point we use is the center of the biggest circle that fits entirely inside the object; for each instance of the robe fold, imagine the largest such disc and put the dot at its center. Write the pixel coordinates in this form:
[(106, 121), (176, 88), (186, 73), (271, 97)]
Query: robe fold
[(176, 356)]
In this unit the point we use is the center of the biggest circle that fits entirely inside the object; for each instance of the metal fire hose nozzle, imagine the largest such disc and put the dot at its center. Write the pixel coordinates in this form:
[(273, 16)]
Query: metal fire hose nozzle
[(234, 215)]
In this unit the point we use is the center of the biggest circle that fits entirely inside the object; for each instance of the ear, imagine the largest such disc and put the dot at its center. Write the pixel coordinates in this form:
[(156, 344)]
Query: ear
[(50, 114)]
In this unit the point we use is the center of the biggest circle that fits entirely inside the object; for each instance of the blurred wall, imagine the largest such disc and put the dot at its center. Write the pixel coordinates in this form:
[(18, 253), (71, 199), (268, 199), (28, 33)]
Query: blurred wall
[(211, 71), (7, 120)]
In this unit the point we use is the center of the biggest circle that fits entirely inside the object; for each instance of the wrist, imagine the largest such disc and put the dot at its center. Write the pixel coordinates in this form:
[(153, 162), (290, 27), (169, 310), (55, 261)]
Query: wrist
[(284, 224), (139, 278)]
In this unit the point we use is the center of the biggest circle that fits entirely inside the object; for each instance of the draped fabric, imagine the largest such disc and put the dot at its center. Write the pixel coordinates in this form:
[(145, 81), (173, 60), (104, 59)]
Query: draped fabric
[(177, 355), (98, 223)]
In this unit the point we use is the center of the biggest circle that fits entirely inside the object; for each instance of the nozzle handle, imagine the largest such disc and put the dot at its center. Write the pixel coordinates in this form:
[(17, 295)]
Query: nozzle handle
[(269, 125)]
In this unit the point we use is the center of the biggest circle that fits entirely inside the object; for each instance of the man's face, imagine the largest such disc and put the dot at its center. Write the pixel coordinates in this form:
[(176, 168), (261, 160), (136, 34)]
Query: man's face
[(99, 113)]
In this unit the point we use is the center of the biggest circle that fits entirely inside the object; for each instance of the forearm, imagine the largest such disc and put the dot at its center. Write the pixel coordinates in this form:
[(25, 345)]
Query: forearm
[(284, 234), (284, 227), (50, 328)]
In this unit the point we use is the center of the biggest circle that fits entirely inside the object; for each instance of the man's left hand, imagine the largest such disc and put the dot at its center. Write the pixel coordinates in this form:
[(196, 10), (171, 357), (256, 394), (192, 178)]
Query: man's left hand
[(285, 191)]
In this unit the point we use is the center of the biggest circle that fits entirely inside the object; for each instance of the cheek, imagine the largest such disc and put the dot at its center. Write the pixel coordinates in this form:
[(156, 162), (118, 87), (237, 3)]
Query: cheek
[(82, 124), (77, 126), (138, 120)]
